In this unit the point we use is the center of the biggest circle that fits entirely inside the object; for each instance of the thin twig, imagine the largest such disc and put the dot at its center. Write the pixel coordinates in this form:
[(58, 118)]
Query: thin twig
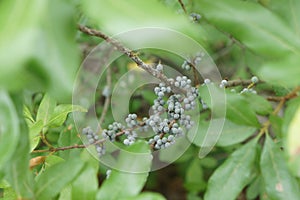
[(45, 141), (80, 146), (239, 82), (107, 97), (131, 54), (182, 6), (289, 96)]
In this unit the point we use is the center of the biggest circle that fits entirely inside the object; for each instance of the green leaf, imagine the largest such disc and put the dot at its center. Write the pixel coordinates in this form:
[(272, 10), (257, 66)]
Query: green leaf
[(234, 133), (146, 196), (9, 194), (34, 134), (194, 181), (17, 169), (46, 109), (288, 12), (55, 178), (9, 128), (61, 112), (86, 184), (278, 181), (291, 108), (231, 133), (39, 51), (293, 143), (233, 175), (239, 111), (263, 32), (273, 71), (254, 188), (276, 124), (118, 185), (119, 16), (236, 107), (67, 138), (259, 104), (52, 160), (27, 115)]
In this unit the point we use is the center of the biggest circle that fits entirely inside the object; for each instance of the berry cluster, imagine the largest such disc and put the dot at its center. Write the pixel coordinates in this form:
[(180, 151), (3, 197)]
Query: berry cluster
[(168, 119), (169, 127), (195, 17), (113, 129), (93, 138)]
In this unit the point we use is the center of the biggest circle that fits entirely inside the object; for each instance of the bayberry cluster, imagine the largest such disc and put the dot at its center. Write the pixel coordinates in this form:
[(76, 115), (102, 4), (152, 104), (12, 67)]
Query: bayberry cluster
[(93, 138), (168, 119), (112, 130), (169, 126)]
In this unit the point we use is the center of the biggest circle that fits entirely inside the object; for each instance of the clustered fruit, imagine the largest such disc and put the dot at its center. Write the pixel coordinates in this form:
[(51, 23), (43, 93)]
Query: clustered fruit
[(168, 119)]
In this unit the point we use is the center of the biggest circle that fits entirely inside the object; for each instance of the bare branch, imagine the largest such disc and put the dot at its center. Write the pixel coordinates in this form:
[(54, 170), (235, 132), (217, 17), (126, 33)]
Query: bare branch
[(131, 54)]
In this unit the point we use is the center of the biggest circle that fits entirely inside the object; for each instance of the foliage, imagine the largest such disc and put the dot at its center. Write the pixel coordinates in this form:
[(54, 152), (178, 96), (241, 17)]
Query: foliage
[(43, 154)]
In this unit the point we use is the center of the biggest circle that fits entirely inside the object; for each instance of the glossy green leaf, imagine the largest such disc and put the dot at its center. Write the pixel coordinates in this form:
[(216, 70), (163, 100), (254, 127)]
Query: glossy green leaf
[(38, 51), (278, 181), (58, 117), (232, 176), (263, 32), (122, 184), (9, 128), (46, 109), (54, 179), (17, 169), (86, 184), (293, 143), (259, 104)]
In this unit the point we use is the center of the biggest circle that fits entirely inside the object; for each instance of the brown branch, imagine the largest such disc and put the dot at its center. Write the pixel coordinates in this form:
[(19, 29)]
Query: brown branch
[(182, 6), (81, 146), (283, 100), (131, 54), (239, 82)]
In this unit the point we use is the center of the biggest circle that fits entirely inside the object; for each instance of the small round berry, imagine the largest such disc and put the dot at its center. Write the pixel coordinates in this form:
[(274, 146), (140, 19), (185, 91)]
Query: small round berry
[(126, 142), (159, 67), (207, 81), (254, 79), (224, 82)]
